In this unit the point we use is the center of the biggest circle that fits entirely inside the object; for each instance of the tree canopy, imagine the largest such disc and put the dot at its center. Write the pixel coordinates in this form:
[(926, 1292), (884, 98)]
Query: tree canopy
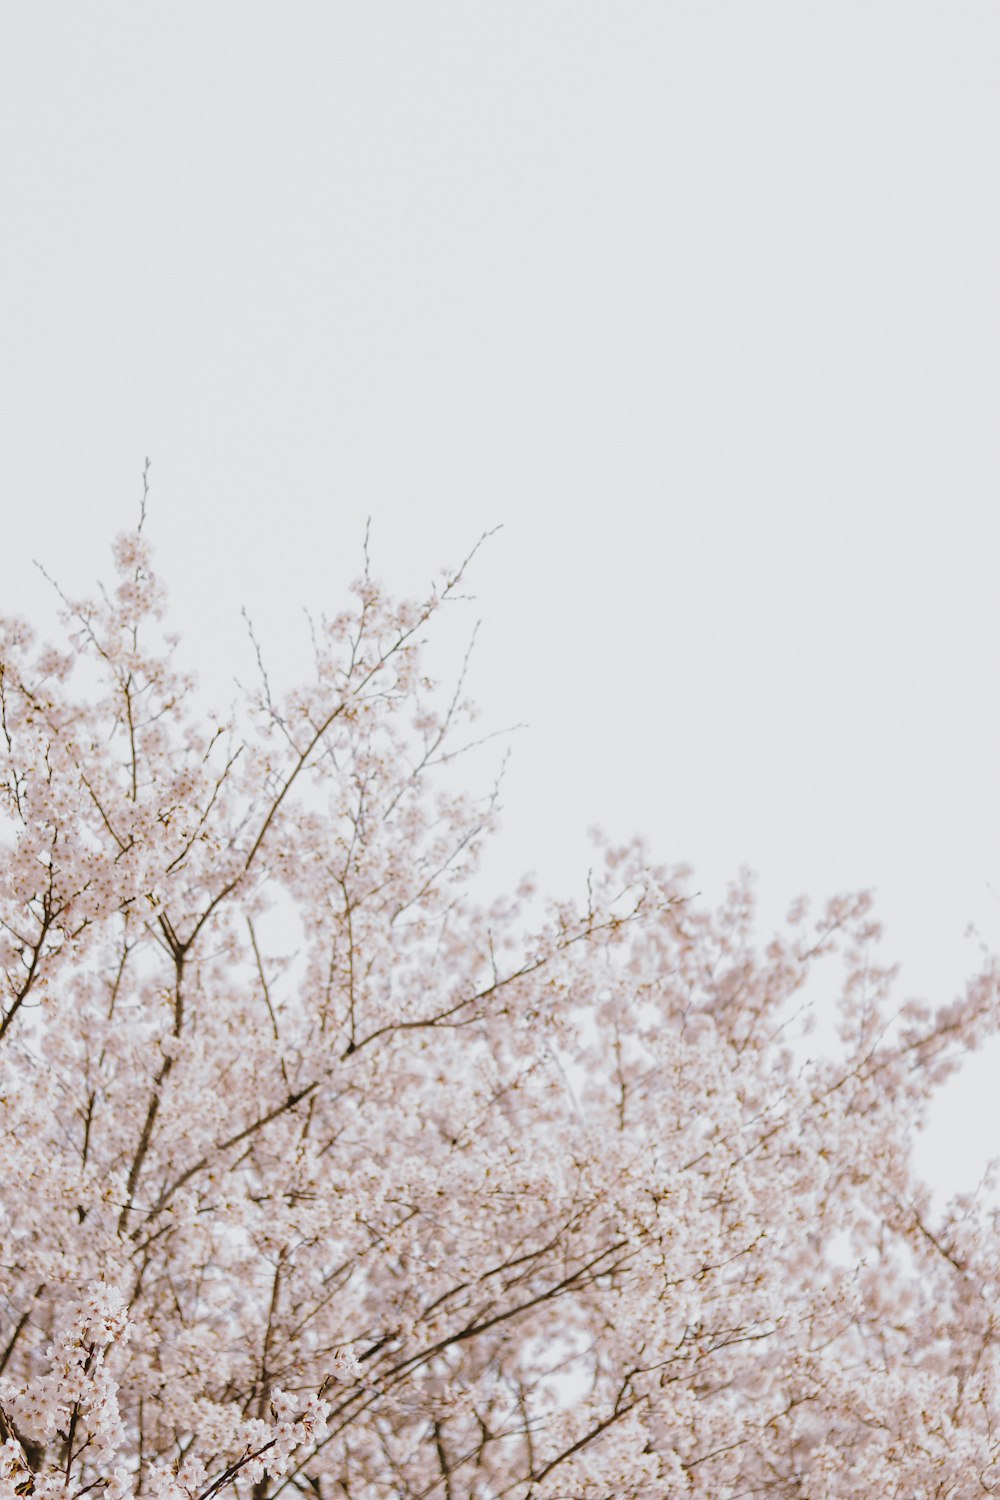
[(322, 1175)]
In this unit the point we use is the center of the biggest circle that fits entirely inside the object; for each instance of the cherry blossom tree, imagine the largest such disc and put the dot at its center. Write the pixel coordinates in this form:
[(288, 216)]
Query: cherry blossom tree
[(322, 1176)]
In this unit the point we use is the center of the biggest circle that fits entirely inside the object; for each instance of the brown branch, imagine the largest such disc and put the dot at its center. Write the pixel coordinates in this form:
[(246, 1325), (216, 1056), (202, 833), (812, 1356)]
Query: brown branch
[(153, 1108), (589, 1437)]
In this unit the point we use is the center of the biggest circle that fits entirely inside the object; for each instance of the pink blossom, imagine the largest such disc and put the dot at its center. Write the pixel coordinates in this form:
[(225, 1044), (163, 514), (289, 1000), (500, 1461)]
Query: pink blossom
[(318, 1172)]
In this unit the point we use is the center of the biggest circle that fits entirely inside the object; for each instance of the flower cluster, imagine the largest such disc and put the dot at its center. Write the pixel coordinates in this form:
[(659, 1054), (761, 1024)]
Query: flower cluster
[(319, 1173)]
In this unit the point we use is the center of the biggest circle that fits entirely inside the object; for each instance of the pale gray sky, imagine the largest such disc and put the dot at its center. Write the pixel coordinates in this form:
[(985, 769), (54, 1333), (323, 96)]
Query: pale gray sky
[(700, 300)]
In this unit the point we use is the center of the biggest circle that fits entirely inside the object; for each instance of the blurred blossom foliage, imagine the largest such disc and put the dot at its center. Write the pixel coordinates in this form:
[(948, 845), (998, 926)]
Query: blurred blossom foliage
[(436, 1197)]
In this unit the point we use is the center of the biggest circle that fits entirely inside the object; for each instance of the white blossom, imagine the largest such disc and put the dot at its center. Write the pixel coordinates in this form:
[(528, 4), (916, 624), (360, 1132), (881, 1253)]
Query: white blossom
[(316, 1170)]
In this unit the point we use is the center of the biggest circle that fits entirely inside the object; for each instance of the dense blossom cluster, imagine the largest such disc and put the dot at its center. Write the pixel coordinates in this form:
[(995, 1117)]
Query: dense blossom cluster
[(320, 1177)]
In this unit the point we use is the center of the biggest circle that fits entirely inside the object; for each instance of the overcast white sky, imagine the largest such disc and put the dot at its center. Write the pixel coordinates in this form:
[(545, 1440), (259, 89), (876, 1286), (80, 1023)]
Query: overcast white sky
[(701, 301)]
